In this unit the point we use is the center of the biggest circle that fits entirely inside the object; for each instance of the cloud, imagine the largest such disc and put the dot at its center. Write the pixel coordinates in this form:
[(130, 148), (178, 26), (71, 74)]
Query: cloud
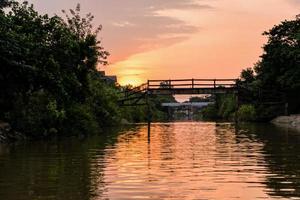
[(174, 4), (122, 24), (136, 27), (133, 26)]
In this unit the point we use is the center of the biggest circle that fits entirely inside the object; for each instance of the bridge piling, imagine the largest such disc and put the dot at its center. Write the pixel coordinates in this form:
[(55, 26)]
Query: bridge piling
[(214, 83), (149, 116), (237, 108), (193, 83)]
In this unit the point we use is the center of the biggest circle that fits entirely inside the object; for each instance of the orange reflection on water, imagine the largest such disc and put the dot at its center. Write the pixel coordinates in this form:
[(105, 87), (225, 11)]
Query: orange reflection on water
[(185, 161)]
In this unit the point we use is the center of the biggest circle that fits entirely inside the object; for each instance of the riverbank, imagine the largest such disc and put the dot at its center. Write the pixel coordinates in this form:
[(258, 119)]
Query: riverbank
[(292, 121)]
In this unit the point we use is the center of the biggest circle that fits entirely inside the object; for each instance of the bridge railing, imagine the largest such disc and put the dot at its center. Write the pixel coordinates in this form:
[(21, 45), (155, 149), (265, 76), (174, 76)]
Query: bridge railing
[(191, 83)]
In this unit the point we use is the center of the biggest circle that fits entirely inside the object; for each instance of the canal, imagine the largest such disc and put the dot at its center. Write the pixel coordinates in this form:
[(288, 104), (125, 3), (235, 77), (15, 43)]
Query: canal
[(183, 160)]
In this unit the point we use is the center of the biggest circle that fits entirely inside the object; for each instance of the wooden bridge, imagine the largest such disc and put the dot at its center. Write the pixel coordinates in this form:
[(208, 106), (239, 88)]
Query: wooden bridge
[(178, 87), (134, 96)]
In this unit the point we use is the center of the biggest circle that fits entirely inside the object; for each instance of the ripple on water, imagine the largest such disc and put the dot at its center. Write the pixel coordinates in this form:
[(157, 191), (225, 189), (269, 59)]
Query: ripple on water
[(181, 161)]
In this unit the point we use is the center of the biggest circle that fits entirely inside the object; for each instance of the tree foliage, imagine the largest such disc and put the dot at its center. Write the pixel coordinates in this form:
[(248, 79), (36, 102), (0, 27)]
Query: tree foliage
[(247, 75), (280, 64), (48, 75), (276, 81)]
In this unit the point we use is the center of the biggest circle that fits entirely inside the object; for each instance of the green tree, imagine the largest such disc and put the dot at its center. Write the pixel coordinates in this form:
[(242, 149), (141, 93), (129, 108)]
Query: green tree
[(48, 74), (276, 80), (280, 64), (279, 68), (247, 75)]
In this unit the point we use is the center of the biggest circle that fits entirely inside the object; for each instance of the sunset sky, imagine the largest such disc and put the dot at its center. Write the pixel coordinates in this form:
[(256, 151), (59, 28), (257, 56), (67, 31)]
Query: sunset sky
[(162, 39)]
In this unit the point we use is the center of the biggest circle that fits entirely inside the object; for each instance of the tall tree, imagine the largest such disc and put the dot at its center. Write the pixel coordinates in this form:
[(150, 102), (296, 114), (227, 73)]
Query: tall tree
[(280, 64), (48, 71), (279, 68)]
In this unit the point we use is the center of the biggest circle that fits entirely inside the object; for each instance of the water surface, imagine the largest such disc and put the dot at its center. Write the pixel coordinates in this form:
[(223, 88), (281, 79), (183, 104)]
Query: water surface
[(192, 160)]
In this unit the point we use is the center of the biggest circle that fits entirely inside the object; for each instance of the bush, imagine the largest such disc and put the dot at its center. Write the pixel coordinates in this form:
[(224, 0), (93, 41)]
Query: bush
[(80, 120), (246, 113), (210, 112), (227, 106), (269, 112), (37, 115), (103, 101)]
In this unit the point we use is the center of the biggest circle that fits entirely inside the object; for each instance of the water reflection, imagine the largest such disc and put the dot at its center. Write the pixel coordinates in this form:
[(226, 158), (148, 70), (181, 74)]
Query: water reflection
[(281, 151), (182, 161), (53, 170), (26, 173)]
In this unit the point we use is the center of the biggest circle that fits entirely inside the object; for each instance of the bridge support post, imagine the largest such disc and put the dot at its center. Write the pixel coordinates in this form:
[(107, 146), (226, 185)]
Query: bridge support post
[(169, 114), (237, 108), (286, 109), (149, 116), (286, 105)]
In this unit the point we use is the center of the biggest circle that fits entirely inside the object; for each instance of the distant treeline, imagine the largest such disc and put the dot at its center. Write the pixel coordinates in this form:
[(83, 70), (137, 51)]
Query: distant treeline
[(272, 86), (49, 81)]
